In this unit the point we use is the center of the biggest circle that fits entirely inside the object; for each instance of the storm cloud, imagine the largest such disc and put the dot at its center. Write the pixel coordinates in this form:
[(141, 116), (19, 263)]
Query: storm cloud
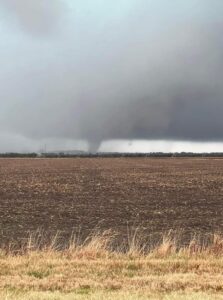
[(143, 71), (36, 17)]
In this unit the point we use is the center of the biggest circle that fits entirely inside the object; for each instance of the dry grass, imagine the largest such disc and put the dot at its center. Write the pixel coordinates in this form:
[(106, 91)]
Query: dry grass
[(92, 270)]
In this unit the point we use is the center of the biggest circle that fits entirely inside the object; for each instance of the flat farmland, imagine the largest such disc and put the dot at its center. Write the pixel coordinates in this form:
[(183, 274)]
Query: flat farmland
[(80, 194)]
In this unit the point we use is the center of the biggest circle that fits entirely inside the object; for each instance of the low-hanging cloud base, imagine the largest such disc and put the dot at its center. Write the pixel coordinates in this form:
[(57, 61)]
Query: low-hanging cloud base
[(21, 144), (131, 70)]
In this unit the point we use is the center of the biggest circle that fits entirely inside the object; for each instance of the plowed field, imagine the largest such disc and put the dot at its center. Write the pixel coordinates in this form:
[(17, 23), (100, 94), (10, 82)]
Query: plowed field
[(110, 193)]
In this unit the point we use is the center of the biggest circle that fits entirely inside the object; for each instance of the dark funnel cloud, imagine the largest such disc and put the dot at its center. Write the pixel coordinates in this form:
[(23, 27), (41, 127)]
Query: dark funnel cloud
[(154, 71)]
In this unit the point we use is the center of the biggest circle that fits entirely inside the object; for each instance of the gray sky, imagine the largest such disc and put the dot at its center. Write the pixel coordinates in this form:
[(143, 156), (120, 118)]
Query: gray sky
[(93, 70)]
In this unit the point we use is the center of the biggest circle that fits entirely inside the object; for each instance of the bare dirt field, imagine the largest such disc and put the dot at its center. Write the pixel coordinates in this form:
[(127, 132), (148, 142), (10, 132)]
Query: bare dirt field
[(118, 193)]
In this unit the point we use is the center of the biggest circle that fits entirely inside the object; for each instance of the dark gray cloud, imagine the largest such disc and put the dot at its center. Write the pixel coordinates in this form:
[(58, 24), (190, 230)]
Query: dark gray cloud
[(128, 79)]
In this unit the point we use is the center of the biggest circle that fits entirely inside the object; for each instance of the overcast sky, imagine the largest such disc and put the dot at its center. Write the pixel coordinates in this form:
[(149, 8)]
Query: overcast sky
[(144, 74)]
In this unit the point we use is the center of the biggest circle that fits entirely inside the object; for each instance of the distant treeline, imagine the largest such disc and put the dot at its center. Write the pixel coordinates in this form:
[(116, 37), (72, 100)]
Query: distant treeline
[(101, 154), (18, 155)]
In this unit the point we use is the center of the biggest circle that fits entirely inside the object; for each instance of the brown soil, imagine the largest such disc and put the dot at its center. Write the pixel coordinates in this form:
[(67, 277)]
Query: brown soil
[(117, 193)]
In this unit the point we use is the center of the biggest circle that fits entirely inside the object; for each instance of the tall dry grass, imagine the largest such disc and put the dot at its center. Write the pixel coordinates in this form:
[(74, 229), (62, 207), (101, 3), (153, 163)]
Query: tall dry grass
[(100, 243), (95, 268)]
